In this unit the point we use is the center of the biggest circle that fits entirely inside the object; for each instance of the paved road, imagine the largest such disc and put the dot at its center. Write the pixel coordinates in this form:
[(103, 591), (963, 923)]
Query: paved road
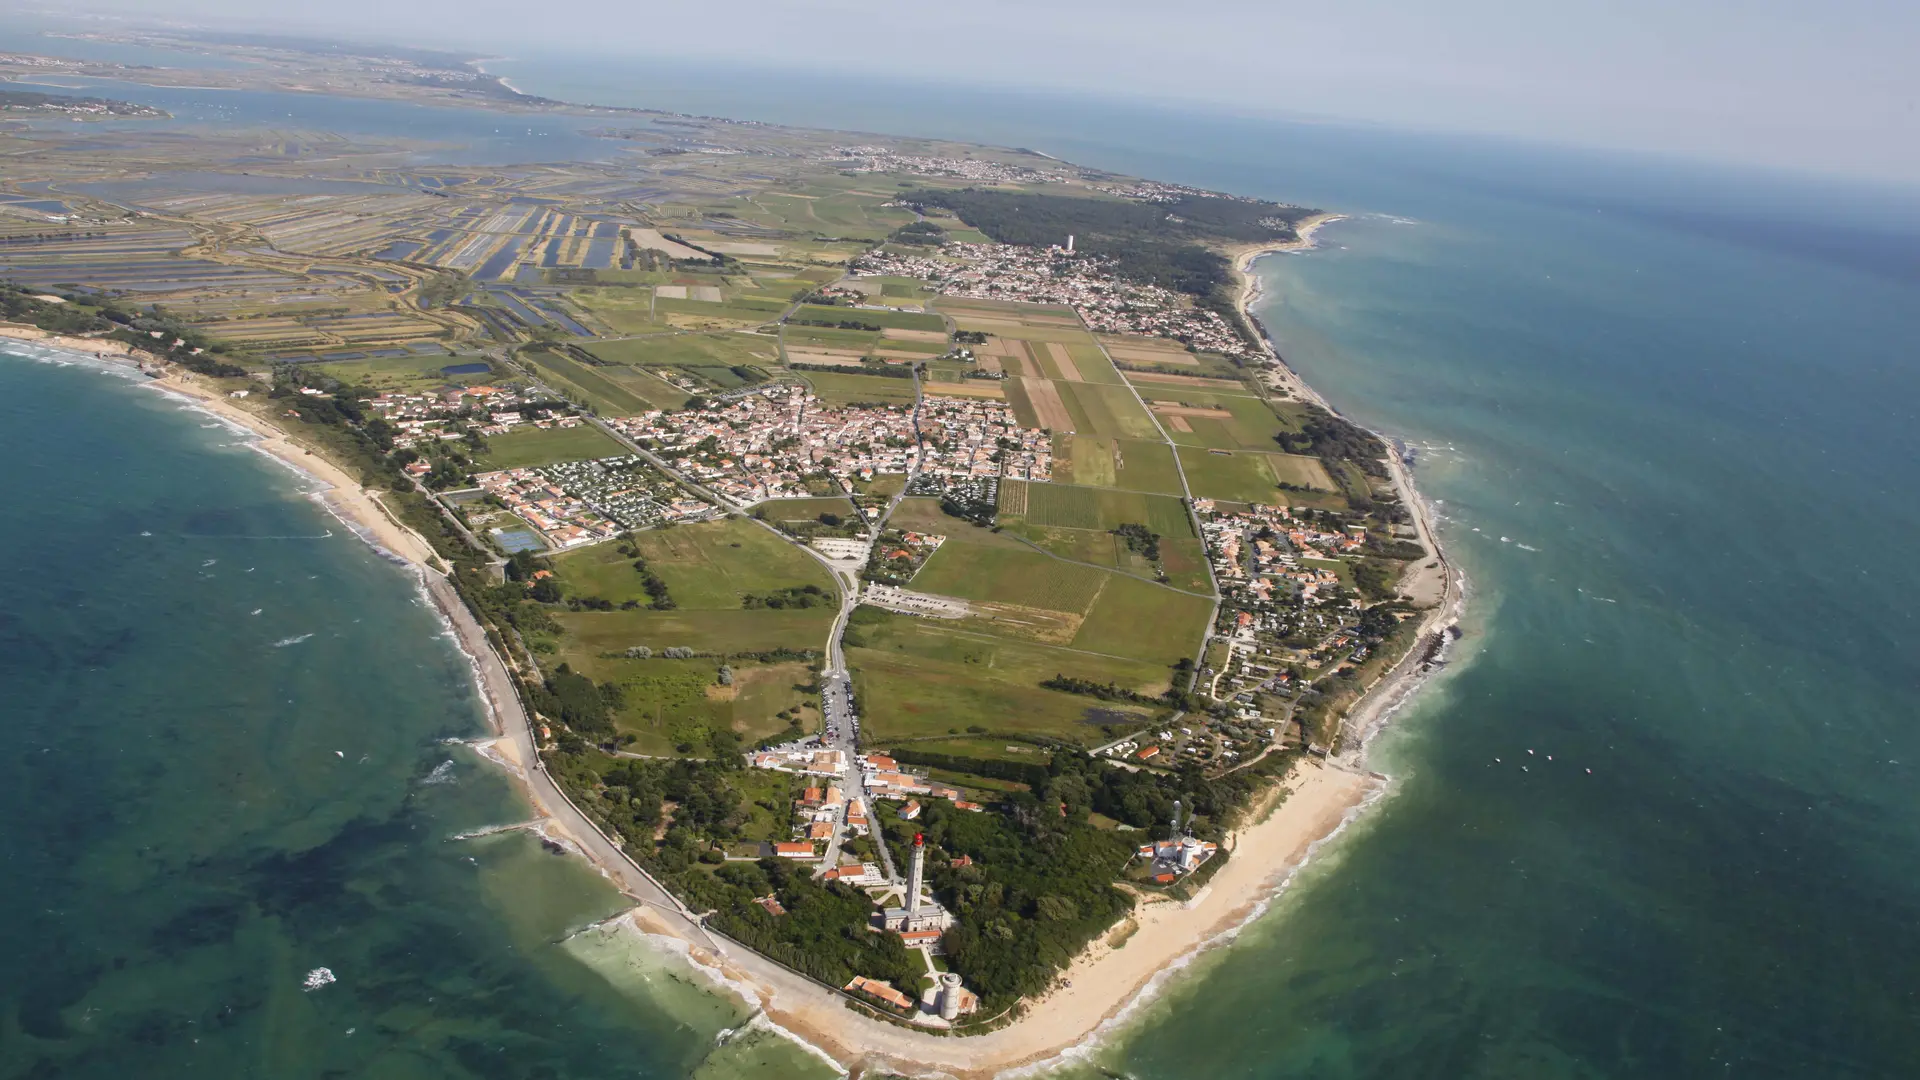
[(510, 719)]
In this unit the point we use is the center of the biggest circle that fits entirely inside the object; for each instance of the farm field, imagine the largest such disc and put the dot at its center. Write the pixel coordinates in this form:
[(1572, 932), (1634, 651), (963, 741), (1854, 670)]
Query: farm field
[(598, 390), (531, 446), (837, 389), (1072, 507), (1223, 421), (624, 311), (1083, 545), (895, 320), (670, 704), (646, 385), (923, 514), (1250, 476), (1009, 575), (918, 680), (1185, 562), (402, 374), (689, 350), (589, 633), (1146, 621), (1132, 464), (1107, 410), (708, 566), (1037, 314), (967, 388), (1065, 333)]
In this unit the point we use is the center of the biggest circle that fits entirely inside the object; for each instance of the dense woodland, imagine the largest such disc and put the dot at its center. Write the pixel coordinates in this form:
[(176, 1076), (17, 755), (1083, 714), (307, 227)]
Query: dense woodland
[(1037, 885), (1333, 439), (1153, 243)]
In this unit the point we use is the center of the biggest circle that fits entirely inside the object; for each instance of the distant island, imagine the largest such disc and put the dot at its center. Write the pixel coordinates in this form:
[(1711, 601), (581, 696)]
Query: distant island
[(32, 103), (904, 566)]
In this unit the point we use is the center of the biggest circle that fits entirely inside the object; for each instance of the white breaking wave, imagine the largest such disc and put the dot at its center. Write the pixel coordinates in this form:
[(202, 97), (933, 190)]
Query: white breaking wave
[(295, 640)]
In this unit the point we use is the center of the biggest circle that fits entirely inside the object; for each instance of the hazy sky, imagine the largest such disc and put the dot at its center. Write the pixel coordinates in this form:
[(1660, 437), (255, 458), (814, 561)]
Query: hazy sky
[(1832, 86)]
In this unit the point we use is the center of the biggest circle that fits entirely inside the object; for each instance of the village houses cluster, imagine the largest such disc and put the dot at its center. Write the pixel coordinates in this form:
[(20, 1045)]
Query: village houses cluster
[(1268, 592), (422, 415), (819, 807), (880, 159), (573, 503), (1079, 280), (769, 443)]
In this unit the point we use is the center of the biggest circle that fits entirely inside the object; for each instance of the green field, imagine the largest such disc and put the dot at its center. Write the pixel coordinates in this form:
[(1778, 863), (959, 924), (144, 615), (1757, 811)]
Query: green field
[(1004, 309), (1131, 464), (1105, 410), (1026, 331), (1071, 507), (883, 484), (1009, 575), (922, 514), (826, 337), (917, 679), (1250, 476), (401, 374), (667, 704), (896, 320), (722, 349), (1093, 364), (592, 632), (1082, 545), (1146, 621), (588, 384), (1185, 562), (1252, 426), (626, 311), (803, 509), (834, 388), (707, 566), (533, 446)]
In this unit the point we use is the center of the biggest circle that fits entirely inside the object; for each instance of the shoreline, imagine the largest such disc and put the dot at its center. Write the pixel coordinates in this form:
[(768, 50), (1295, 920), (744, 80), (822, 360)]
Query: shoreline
[(1103, 989)]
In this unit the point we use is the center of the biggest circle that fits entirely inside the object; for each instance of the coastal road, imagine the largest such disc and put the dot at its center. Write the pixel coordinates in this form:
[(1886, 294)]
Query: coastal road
[(511, 721)]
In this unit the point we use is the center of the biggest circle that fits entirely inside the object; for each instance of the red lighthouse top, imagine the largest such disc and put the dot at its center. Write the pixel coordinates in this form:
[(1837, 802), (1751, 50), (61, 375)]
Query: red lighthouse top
[(919, 840)]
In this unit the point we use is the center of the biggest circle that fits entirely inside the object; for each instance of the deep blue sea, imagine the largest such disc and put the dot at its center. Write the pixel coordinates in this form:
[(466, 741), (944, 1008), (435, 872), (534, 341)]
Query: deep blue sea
[(1658, 818)]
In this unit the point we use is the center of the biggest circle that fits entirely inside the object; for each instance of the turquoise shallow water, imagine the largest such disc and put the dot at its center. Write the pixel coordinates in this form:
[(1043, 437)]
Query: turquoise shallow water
[(1685, 399)]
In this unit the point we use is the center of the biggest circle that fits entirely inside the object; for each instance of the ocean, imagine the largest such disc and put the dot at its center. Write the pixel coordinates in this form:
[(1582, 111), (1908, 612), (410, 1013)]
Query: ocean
[(1657, 817), (234, 759)]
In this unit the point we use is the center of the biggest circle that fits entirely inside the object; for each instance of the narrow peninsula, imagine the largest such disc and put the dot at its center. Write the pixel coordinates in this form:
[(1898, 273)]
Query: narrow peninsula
[(904, 567)]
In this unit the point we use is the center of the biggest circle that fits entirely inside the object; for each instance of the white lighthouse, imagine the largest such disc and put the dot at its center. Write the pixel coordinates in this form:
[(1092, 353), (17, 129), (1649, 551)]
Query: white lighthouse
[(916, 875), (916, 915)]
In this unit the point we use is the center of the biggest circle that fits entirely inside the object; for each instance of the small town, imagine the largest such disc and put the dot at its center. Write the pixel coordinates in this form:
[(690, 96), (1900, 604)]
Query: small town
[(778, 442), (881, 159), (1059, 275), (574, 503)]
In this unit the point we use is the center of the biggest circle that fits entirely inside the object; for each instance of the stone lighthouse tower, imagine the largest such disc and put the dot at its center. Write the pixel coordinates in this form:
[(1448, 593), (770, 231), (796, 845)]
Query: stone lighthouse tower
[(915, 875)]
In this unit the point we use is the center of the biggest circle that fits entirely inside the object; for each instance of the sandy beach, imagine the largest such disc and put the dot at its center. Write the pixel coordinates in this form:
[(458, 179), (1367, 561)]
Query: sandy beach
[(1103, 986)]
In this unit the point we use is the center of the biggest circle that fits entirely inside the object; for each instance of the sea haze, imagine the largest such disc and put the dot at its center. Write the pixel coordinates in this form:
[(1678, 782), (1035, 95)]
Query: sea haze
[(1671, 437)]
